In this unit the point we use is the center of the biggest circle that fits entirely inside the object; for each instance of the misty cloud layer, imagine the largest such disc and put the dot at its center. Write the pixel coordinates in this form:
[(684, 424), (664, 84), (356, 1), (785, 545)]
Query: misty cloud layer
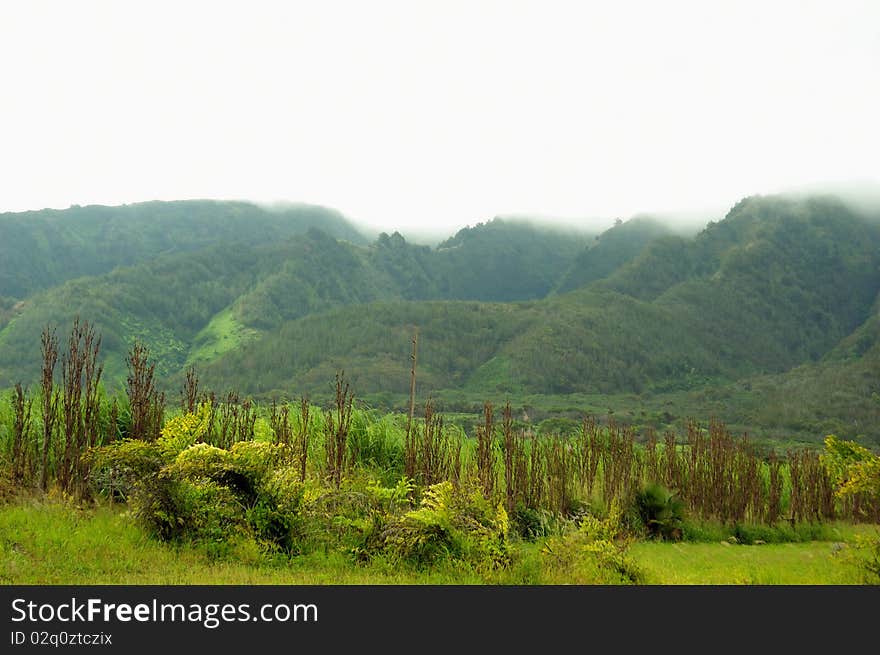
[(426, 118)]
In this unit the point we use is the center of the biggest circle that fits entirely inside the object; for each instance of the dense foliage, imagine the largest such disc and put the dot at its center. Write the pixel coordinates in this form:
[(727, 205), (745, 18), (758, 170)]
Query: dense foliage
[(40, 249), (238, 478), (753, 319), (611, 250)]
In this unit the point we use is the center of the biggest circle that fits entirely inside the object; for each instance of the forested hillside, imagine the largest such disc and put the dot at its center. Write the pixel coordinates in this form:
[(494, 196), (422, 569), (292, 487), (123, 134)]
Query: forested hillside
[(39, 249), (767, 307), (774, 285), (610, 250), (192, 304)]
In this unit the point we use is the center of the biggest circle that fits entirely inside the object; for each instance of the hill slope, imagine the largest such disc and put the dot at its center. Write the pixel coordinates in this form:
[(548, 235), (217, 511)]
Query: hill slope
[(769, 316), (611, 250), (775, 285), (40, 249), (197, 304)]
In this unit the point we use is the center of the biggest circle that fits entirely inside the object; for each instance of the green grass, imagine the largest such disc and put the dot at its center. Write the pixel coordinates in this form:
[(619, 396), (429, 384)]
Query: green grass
[(496, 373), (44, 543), (50, 543), (222, 334), (721, 563)]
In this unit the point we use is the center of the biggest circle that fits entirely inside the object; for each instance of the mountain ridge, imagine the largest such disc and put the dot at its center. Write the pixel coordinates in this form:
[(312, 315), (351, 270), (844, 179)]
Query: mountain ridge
[(780, 286)]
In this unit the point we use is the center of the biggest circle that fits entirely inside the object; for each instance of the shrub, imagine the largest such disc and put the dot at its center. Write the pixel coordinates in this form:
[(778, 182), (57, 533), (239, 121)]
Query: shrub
[(660, 511), (340, 518), (751, 533), (855, 472), (863, 555), (117, 469), (200, 461), (595, 552), (201, 492), (870, 565), (256, 460), (286, 490), (183, 431), (277, 518), (210, 509), (532, 524), (243, 487), (460, 526), (391, 499)]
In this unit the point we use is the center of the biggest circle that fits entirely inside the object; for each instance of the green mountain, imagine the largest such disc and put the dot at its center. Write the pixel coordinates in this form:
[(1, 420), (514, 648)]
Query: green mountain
[(839, 394), (611, 250), (776, 284), (768, 317), (40, 249), (198, 304), (163, 302), (504, 260)]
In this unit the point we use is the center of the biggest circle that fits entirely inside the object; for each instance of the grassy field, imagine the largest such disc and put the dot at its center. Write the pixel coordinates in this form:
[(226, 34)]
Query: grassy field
[(49, 543), (222, 334), (814, 562)]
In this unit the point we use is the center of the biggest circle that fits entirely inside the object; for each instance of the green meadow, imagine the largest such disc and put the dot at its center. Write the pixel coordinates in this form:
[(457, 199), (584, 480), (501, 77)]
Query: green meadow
[(44, 542)]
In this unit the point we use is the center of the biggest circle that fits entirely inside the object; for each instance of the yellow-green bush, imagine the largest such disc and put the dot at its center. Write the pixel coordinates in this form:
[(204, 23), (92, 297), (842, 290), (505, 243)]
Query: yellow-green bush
[(853, 468), (181, 432), (250, 489), (449, 524), (595, 552), (199, 461), (286, 490), (202, 510), (117, 469), (256, 460)]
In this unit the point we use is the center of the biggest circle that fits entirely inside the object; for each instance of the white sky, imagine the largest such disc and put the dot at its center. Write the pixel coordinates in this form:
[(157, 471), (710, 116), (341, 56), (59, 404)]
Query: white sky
[(427, 115)]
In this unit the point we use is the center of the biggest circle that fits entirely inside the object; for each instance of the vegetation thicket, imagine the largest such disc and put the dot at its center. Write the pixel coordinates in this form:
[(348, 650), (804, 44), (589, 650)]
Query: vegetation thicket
[(752, 320), (568, 367), (293, 479)]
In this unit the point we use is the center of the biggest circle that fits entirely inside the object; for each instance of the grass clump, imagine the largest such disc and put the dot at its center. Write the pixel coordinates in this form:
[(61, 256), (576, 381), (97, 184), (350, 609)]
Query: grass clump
[(758, 533)]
